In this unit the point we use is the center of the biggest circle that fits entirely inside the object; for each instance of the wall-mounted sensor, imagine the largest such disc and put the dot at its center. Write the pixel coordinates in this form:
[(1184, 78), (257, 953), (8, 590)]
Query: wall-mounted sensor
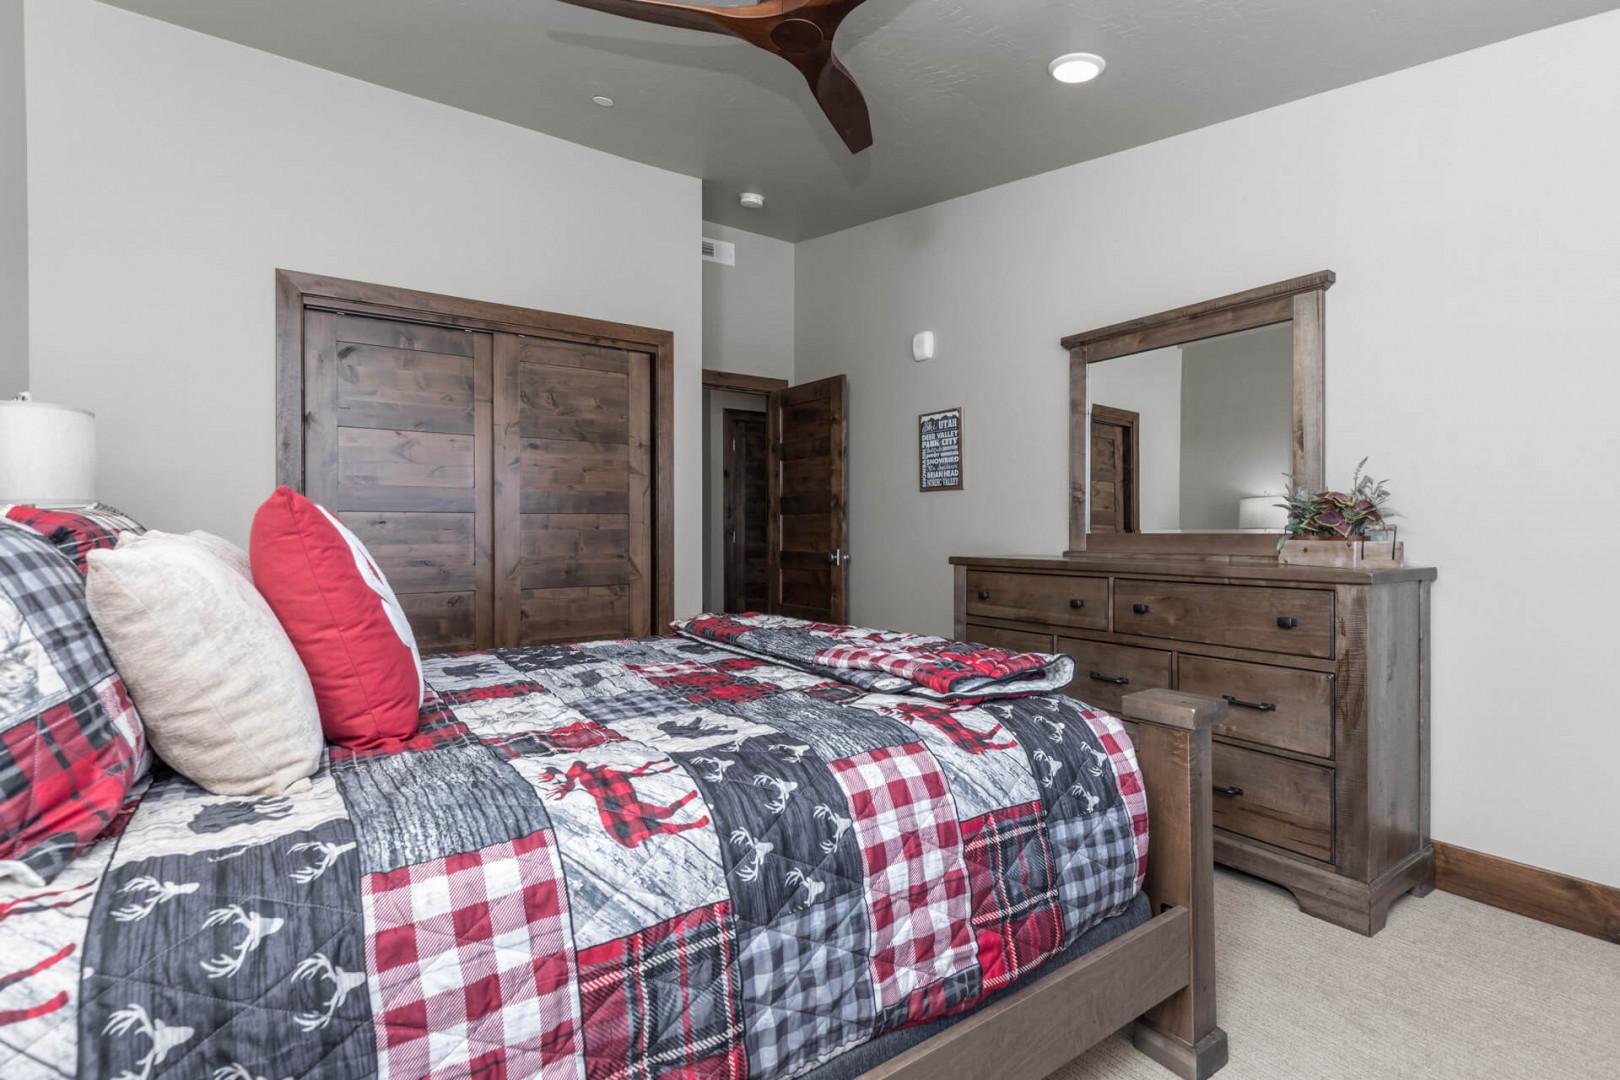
[(752, 200), (922, 346)]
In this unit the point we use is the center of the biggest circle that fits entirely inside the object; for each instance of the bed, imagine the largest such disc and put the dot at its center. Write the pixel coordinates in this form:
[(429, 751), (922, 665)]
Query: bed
[(761, 848)]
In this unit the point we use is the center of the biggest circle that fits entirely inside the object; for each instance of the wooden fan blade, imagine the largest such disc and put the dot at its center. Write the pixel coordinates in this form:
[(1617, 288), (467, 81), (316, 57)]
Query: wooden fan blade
[(662, 13), (799, 31), (841, 99)]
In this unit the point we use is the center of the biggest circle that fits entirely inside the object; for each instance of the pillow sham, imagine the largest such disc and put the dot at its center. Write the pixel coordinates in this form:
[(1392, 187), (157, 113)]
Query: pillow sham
[(71, 744), (222, 693), (78, 530), (342, 617)]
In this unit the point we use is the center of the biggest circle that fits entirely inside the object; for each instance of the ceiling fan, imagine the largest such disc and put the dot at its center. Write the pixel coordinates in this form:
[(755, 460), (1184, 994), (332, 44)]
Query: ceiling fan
[(799, 31)]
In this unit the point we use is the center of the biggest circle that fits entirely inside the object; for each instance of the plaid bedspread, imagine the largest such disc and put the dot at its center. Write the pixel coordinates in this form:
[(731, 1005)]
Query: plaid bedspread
[(655, 858)]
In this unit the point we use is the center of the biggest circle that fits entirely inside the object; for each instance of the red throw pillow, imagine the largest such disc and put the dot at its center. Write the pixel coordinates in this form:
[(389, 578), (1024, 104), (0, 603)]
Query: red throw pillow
[(343, 619)]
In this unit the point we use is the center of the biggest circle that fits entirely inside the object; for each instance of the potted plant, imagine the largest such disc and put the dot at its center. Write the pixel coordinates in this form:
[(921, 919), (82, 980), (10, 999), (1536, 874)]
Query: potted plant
[(1339, 528)]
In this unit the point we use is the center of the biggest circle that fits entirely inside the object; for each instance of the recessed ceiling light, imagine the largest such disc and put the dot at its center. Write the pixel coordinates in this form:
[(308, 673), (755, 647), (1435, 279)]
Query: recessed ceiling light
[(1080, 67), (752, 200), (603, 100)]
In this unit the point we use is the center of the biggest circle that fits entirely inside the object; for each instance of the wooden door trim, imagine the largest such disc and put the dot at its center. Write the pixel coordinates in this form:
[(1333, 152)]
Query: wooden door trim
[(1301, 301), (742, 384), (296, 292), (1130, 421)]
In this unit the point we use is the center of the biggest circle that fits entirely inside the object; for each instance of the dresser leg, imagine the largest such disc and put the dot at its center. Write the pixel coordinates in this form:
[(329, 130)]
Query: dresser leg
[(1365, 908), (1353, 912)]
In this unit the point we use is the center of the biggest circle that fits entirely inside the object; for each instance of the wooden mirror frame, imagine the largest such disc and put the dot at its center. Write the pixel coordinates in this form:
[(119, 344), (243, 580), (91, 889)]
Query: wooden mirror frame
[(1302, 301)]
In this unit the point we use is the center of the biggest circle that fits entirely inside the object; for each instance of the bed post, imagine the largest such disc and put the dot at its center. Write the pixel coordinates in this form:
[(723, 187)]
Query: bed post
[(1172, 735)]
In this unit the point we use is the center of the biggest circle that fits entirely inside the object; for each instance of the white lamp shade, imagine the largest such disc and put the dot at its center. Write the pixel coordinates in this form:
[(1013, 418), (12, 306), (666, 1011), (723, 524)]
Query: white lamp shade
[(47, 453), (1262, 514)]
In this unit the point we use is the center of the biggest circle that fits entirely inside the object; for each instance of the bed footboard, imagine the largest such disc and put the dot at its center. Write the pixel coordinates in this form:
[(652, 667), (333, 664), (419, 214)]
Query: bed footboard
[(1171, 731)]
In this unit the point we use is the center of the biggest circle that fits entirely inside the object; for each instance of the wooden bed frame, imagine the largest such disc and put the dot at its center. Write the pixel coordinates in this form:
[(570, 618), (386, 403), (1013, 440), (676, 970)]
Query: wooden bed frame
[(1160, 976)]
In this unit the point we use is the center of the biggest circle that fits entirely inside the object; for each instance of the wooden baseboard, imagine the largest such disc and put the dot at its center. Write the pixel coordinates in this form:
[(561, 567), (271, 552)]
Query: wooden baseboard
[(1573, 903)]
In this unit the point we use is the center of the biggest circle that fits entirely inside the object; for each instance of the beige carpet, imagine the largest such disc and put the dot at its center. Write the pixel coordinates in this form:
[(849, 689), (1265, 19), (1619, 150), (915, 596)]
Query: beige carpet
[(1449, 989)]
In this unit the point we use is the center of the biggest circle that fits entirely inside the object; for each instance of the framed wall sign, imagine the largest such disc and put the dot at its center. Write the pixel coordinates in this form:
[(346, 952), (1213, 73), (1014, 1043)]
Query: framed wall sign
[(939, 451)]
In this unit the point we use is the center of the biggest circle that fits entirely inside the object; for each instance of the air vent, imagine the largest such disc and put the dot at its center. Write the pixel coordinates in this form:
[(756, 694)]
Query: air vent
[(719, 251)]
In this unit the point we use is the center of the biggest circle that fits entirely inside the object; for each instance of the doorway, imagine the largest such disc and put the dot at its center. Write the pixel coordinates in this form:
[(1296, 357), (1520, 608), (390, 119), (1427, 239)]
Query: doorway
[(745, 507), (775, 477), (1115, 482)]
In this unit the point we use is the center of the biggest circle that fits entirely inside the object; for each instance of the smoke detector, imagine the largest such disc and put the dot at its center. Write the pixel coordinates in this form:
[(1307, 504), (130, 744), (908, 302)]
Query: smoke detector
[(752, 200)]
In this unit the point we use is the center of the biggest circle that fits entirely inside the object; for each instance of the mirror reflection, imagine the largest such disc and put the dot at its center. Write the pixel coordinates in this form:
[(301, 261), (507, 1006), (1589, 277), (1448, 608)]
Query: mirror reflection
[(1194, 437)]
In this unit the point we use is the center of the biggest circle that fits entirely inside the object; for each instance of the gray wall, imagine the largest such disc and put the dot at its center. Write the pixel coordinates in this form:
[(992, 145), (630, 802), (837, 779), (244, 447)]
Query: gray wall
[(1472, 221), (748, 308), (1236, 422), (13, 203)]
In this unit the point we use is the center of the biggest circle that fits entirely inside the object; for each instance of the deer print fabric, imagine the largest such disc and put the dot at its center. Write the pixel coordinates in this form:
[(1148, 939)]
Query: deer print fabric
[(649, 858)]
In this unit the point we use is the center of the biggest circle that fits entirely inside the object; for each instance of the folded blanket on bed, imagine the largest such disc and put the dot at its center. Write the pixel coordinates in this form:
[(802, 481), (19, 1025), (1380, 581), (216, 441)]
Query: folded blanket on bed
[(885, 661)]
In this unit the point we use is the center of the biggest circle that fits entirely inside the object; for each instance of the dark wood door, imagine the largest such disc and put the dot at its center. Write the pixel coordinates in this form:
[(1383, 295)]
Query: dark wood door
[(809, 483), (397, 444), (746, 510), (1114, 483), (573, 491)]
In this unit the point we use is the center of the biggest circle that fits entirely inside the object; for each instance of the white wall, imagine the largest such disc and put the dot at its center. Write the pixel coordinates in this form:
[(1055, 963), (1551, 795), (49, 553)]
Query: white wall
[(1469, 207), (748, 308), (1149, 384), (170, 173), (13, 204)]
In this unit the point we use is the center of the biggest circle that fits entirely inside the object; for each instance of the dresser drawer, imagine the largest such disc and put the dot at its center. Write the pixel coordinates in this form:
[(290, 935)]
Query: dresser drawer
[(1281, 707), (1046, 598), (1245, 616), (1104, 674), (1274, 800), (1011, 640)]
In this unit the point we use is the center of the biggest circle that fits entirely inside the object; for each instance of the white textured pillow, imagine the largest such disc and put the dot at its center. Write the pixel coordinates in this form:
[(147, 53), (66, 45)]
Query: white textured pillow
[(224, 698), (233, 556)]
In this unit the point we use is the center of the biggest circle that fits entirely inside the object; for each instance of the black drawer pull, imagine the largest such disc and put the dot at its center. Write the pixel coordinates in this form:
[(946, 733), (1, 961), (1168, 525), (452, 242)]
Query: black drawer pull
[(1229, 792), (1287, 622), (1111, 680), (1077, 604), (984, 594), (1257, 706), (1140, 609)]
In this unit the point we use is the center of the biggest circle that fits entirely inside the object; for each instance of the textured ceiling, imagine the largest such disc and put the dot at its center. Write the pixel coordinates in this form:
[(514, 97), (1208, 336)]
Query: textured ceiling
[(958, 89)]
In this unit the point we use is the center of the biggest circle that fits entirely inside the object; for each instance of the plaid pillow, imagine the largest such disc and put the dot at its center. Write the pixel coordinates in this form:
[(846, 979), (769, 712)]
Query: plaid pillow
[(71, 744), (76, 531)]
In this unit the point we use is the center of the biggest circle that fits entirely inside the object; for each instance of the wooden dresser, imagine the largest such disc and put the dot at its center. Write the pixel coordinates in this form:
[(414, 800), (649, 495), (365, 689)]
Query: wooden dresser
[(1321, 771)]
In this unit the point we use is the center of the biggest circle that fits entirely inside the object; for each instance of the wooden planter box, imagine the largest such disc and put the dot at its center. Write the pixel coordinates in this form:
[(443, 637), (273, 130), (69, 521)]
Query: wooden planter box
[(1350, 554)]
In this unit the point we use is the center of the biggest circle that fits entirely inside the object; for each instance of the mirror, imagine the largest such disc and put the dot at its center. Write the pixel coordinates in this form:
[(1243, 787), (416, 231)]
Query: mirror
[(1183, 424), (1194, 437)]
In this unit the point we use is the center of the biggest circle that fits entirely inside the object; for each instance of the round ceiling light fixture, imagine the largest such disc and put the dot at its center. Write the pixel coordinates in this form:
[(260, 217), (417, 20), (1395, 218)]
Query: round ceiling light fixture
[(752, 200), (603, 100), (1079, 67)]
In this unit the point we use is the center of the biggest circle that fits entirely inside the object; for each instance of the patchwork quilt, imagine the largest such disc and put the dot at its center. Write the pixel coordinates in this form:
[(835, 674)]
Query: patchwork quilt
[(653, 858)]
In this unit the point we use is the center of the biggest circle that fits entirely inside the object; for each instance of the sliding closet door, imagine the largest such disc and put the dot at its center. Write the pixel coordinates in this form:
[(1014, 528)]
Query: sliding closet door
[(574, 491), (398, 444)]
